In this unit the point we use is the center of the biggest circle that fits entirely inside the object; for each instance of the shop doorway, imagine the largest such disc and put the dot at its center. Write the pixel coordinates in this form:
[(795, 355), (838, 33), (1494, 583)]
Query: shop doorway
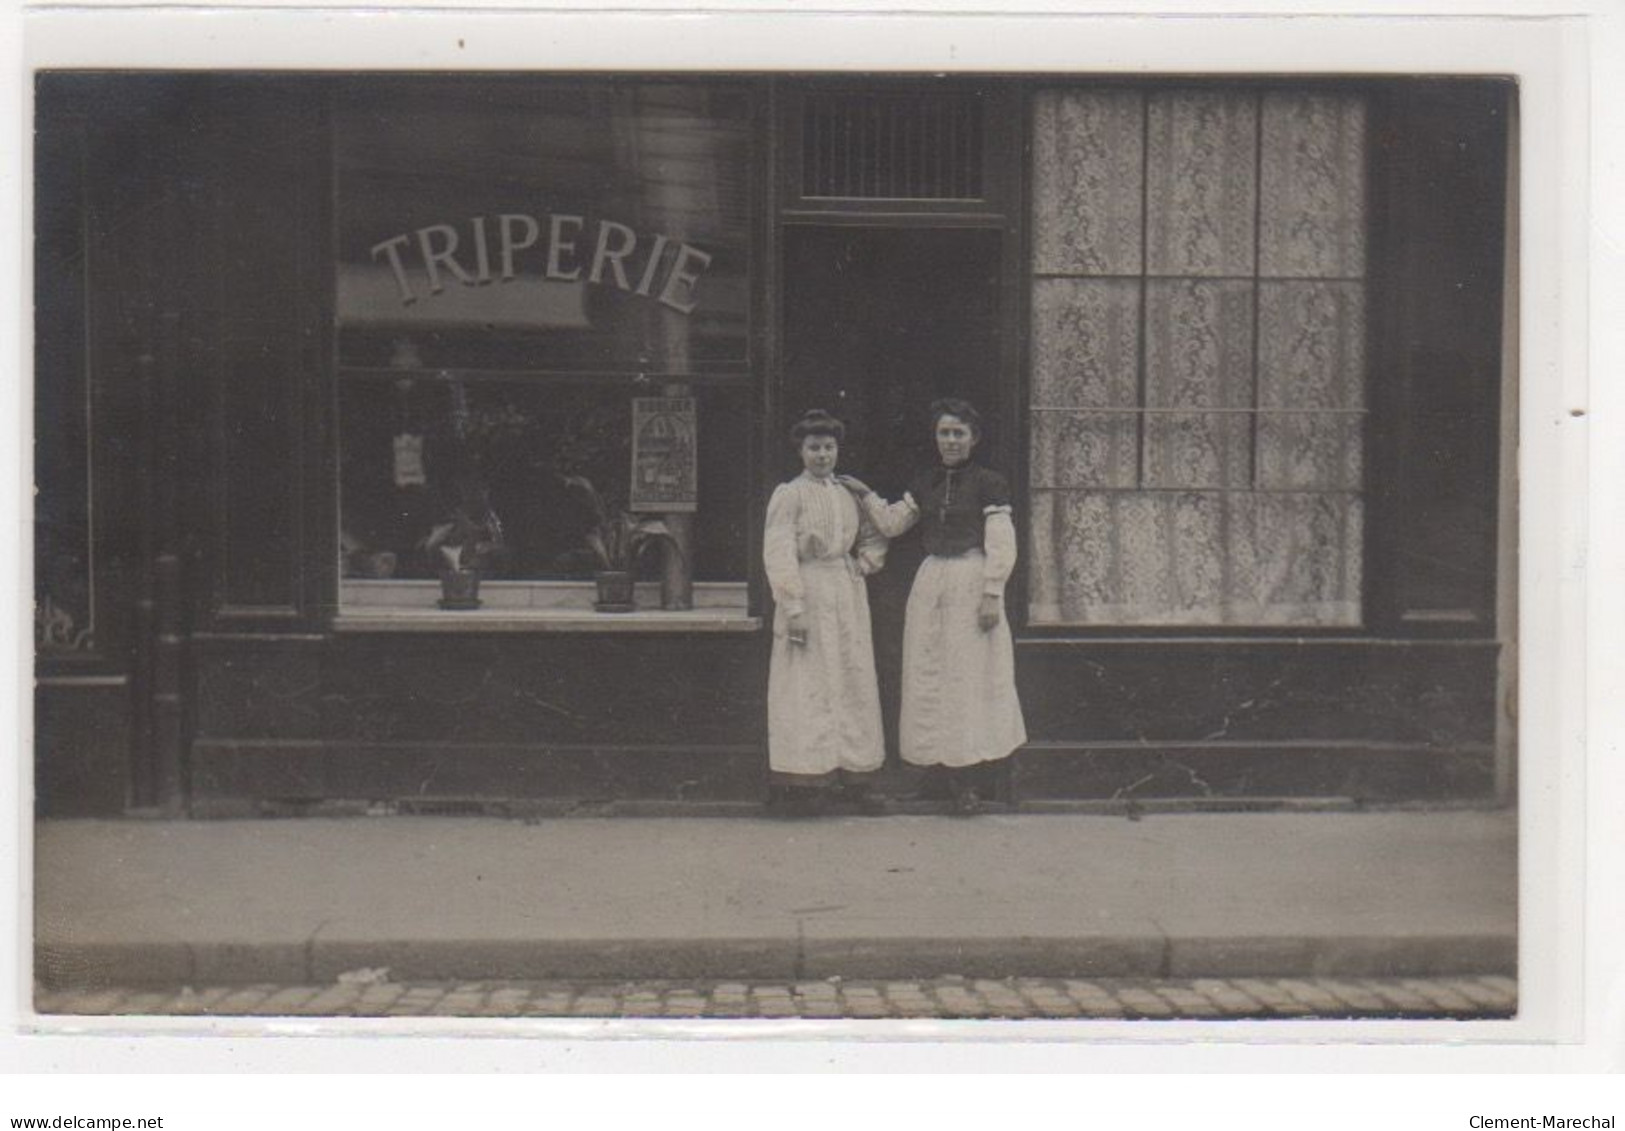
[(878, 323)]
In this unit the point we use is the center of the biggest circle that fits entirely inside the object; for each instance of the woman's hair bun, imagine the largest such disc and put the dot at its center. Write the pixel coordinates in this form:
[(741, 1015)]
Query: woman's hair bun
[(817, 422)]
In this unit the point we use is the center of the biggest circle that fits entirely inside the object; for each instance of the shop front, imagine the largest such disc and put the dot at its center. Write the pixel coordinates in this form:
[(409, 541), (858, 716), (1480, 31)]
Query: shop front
[(356, 393)]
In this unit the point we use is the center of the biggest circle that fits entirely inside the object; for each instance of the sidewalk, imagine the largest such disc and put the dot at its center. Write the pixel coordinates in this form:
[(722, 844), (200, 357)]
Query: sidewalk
[(1218, 895)]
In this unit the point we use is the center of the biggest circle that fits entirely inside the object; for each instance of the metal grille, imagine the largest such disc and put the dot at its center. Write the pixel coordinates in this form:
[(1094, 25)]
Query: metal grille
[(892, 147)]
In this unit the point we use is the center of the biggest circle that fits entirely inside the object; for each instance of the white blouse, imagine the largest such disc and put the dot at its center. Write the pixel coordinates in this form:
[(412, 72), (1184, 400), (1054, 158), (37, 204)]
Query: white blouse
[(812, 519)]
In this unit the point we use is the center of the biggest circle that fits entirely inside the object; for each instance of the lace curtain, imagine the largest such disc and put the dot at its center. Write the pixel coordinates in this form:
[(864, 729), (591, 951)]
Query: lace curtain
[(1198, 330)]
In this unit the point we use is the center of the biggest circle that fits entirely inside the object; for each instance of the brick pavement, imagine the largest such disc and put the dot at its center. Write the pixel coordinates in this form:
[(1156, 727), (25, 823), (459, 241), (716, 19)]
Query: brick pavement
[(947, 997)]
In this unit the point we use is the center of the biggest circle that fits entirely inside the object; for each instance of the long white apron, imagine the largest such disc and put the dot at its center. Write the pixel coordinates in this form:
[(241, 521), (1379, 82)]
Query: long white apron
[(959, 688), (823, 703)]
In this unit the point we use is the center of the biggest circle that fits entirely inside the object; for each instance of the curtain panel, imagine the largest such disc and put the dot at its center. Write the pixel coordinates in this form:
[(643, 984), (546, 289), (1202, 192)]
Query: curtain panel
[(1198, 358)]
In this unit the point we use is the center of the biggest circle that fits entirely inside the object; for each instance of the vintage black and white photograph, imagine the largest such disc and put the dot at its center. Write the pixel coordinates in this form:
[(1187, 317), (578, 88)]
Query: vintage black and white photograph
[(814, 544)]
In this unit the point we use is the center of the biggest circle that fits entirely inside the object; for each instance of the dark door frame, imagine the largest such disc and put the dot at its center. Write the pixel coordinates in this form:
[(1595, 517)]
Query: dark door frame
[(1002, 208)]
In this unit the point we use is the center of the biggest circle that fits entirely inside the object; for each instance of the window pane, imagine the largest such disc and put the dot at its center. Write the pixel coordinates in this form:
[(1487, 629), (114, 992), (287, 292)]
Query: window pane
[(597, 228), (1311, 345), (1201, 182), (1192, 558), (1199, 344), (1087, 212), (1296, 559), (1199, 353), (1085, 449), (1188, 449), (1304, 451), (1313, 210), (1086, 343), (1311, 356)]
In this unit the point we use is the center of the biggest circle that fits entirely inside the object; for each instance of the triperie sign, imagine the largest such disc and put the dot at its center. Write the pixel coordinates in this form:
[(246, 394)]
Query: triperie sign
[(497, 249)]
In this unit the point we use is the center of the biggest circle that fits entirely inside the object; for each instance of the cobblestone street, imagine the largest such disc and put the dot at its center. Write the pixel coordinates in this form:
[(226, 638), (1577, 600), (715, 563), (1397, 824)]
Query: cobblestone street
[(948, 997)]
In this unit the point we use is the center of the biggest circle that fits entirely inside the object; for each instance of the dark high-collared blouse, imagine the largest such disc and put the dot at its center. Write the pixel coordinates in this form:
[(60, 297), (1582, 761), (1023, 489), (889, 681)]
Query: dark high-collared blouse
[(953, 503)]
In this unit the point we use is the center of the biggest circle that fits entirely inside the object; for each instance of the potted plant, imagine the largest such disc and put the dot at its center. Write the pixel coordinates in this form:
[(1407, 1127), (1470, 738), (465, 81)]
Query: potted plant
[(617, 538), (463, 546)]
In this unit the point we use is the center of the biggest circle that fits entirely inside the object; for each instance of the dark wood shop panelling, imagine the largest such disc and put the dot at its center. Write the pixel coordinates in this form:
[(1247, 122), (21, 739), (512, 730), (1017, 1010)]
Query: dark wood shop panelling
[(82, 736), (262, 270), (205, 255), (1438, 204), (481, 716), (258, 421), (98, 246), (1373, 720)]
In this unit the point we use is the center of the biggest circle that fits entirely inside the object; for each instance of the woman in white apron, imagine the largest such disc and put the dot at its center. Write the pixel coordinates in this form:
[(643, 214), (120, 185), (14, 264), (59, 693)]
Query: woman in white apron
[(959, 708), (823, 704)]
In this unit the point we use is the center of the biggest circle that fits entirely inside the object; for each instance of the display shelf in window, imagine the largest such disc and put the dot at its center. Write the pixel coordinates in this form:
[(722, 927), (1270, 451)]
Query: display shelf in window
[(557, 606)]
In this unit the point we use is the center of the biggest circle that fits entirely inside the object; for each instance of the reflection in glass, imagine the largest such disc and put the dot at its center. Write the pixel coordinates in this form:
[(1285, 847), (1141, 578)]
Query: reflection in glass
[(420, 451), (596, 228)]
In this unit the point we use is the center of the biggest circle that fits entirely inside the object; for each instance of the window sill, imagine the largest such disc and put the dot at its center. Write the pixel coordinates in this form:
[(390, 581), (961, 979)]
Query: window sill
[(545, 620), (542, 606)]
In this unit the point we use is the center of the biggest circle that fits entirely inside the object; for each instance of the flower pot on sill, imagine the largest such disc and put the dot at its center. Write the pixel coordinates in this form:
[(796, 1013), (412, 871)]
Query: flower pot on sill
[(460, 589), (614, 591)]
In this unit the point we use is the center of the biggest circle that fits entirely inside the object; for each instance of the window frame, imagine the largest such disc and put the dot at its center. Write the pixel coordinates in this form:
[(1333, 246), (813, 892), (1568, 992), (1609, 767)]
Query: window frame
[(730, 606)]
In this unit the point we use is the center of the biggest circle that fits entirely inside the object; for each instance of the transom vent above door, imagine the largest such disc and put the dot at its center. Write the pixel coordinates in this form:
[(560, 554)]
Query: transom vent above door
[(885, 146)]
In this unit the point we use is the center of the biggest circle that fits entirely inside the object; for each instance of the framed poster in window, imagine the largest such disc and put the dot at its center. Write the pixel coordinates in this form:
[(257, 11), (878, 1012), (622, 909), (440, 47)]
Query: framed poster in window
[(665, 472)]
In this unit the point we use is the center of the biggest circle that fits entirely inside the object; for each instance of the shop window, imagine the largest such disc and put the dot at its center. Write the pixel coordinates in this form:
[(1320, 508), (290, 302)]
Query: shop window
[(1198, 358), (517, 263), (419, 451)]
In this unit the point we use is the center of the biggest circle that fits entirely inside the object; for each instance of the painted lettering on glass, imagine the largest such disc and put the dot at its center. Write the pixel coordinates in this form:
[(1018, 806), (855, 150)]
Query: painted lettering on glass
[(426, 260)]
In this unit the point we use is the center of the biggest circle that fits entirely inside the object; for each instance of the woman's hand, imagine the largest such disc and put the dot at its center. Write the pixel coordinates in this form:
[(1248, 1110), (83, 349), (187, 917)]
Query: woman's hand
[(988, 612), (857, 486), (795, 627)]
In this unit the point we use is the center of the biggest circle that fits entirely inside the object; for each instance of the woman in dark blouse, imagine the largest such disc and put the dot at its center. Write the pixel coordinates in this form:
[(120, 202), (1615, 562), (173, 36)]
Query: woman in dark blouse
[(959, 706)]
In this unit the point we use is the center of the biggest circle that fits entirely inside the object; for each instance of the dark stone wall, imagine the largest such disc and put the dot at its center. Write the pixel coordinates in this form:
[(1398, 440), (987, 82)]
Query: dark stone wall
[(1412, 692), (494, 716), (82, 763), (505, 717)]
